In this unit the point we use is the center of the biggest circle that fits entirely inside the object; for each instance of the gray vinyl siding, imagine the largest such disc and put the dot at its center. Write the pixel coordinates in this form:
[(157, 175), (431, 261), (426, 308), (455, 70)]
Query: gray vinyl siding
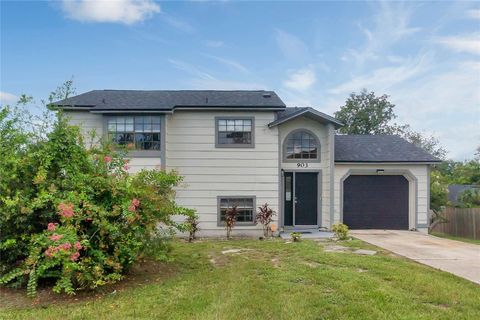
[(322, 133), (210, 172), (94, 122), (88, 123)]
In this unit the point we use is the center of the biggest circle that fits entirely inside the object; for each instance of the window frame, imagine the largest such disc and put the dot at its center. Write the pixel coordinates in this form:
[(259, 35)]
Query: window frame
[(235, 145), (140, 153), (221, 223), (284, 147)]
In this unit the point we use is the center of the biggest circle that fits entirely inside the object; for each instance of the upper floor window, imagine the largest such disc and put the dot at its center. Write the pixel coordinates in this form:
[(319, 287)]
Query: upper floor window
[(235, 132), (135, 132), (301, 145)]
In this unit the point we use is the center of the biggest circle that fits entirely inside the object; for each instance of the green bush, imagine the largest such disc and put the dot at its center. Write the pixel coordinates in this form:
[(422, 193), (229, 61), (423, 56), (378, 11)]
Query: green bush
[(470, 198), (340, 230), (73, 216), (295, 236)]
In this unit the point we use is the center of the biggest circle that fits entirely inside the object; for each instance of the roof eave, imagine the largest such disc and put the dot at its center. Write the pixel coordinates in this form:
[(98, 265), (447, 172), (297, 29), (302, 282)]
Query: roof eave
[(73, 107), (387, 162), (94, 109)]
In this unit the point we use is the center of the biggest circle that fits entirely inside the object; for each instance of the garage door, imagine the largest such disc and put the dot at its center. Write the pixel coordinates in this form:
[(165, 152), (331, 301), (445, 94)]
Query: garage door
[(375, 202)]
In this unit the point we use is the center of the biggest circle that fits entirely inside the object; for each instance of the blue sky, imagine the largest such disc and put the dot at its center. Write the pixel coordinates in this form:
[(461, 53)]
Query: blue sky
[(425, 55)]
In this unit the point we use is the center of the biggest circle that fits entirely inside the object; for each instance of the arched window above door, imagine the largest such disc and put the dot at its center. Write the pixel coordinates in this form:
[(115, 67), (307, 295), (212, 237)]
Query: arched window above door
[(301, 144)]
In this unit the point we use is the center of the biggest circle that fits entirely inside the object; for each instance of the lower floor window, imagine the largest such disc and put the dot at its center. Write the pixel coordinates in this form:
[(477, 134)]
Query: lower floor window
[(245, 208)]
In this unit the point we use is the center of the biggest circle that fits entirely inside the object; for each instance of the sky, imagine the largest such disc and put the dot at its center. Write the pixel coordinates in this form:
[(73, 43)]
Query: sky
[(424, 55)]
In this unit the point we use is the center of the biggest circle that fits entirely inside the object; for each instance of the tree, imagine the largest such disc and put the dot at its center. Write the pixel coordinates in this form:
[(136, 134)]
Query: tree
[(438, 198), (365, 113), (427, 143)]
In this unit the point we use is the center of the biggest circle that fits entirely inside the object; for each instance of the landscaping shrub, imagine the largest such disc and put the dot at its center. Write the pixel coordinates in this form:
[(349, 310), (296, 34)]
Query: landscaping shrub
[(296, 236), (470, 198), (73, 216), (192, 226), (265, 217), (340, 230), (230, 219)]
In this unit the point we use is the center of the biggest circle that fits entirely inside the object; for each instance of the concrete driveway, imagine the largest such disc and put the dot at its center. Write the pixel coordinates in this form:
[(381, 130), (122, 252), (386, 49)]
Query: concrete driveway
[(459, 258)]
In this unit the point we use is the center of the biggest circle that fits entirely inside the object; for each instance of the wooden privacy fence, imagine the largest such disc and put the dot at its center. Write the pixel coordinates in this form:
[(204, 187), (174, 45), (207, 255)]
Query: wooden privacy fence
[(462, 222)]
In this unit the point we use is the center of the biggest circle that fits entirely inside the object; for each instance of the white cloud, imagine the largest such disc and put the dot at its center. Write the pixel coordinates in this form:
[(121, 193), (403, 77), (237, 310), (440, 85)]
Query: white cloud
[(113, 11), (291, 46), (178, 23), (301, 79), (191, 69), (465, 43), (444, 103), (474, 13), (7, 98), (201, 79), (214, 43), (221, 84), (391, 23), (382, 79), (230, 63)]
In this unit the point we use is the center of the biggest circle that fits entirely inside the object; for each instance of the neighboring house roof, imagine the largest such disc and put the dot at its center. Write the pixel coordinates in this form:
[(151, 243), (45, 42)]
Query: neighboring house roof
[(168, 100), (379, 148), (455, 190), (292, 113)]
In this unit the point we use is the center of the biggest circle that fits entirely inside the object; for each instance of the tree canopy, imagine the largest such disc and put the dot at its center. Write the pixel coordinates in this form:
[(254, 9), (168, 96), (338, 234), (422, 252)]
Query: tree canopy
[(366, 113)]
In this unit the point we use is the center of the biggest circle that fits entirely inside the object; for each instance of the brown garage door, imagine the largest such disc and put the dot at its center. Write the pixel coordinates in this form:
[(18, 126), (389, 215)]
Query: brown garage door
[(375, 202)]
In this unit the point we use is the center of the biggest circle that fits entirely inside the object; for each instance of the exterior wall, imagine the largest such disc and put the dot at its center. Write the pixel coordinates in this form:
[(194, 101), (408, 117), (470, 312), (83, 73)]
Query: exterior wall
[(94, 122), (89, 123), (210, 172), (322, 132), (418, 176)]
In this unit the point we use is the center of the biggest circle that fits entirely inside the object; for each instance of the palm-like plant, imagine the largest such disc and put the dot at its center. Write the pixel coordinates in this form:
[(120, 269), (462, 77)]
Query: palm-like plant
[(230, 219), (265, 217)]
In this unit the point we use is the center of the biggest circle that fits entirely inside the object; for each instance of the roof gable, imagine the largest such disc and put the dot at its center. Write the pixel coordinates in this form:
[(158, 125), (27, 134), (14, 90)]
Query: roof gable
[(293, 113)]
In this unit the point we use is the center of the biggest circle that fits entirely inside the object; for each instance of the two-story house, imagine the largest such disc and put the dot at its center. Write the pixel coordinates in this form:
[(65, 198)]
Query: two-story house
[(246, 148)]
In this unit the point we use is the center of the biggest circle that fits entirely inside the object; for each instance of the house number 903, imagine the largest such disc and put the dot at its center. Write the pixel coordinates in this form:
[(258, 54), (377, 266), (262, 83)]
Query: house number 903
[(302, 165)]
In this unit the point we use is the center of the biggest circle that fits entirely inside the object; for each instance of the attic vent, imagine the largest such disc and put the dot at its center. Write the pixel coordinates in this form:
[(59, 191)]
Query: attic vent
[(267, 95)]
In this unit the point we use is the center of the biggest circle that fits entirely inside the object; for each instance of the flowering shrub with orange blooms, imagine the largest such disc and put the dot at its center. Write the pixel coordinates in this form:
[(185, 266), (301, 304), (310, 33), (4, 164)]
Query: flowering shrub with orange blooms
[(73, 216)]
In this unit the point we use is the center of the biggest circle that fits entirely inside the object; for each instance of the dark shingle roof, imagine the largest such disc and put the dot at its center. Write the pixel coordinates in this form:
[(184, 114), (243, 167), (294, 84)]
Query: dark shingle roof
[(455, 190), (164, 100), (292, 113), (378, 148)]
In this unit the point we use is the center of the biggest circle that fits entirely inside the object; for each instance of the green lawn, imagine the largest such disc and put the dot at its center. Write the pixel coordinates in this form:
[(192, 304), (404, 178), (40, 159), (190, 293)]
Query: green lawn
[(447, 236), (273, 280)]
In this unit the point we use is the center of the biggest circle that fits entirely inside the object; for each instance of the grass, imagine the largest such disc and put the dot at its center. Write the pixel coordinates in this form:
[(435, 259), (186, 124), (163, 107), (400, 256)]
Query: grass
[(447, 236), (273, 280)]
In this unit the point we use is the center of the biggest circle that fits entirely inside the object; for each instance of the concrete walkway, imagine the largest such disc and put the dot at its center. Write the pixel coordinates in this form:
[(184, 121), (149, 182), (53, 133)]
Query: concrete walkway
[(308, 234), (459, 258)]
